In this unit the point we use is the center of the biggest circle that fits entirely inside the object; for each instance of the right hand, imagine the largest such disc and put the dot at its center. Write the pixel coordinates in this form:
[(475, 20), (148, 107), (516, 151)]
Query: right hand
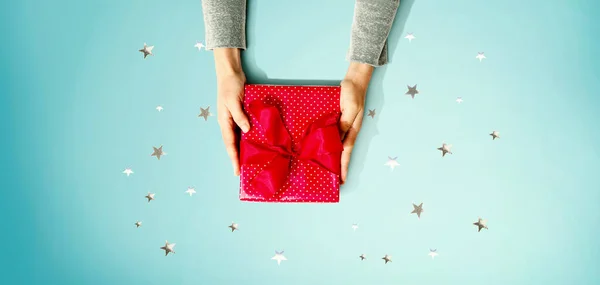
[(230, 95)]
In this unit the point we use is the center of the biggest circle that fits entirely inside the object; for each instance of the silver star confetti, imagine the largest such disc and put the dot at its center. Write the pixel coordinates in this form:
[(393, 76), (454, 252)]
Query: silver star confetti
[(495, 135), (150, 197), (412, 91), (481, 224), (392, 163), (279, 257), (387, 258), (158, 152), (128, 171), (433, 253), (199, 45), (445, 149), (147, 50), (168, 248), (233, 227), (205, 113), (138, 224), (363, 257), (480, 56), (410, 37), (417, 210), (191, 191), (372, 113)]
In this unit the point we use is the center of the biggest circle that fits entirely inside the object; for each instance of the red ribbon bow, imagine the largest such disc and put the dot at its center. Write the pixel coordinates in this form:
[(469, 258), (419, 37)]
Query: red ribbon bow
[(321, 146)]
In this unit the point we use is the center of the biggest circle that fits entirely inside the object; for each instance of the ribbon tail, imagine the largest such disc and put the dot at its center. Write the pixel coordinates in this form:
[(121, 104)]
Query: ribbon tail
[(272, 177), (252, 152)]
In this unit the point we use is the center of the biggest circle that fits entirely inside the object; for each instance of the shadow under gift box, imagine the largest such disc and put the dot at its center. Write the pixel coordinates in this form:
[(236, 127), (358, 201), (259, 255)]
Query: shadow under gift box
[(293, 150)]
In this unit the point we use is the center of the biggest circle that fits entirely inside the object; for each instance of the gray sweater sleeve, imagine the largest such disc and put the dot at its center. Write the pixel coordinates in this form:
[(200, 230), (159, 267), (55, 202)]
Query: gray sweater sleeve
[(225, 22), (371, 25)]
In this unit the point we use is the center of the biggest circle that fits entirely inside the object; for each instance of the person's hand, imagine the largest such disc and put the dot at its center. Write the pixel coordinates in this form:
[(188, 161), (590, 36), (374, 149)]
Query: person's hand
[(352, 105), (230, 95)]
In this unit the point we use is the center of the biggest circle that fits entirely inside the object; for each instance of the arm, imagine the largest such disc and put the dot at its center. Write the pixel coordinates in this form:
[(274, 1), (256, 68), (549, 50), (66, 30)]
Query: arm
[(370, 28), (368, 48), (225, 23)]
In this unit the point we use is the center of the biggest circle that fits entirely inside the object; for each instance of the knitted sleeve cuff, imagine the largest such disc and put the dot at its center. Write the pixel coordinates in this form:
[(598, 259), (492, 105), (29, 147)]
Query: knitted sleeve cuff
[(225, 23), (371, 26)]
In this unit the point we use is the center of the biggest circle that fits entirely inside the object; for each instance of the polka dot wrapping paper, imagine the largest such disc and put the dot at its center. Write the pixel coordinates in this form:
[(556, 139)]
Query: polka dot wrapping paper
[(299, 108)]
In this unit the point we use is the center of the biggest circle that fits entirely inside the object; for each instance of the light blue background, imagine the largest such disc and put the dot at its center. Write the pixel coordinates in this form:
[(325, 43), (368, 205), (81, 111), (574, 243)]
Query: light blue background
[(78, 108)]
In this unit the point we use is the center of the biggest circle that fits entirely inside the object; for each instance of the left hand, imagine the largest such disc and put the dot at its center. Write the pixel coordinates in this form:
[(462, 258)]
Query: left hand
[(352, 105)]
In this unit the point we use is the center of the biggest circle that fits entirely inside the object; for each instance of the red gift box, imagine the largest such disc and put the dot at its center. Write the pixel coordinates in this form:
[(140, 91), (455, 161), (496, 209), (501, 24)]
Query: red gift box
[(293, 150)]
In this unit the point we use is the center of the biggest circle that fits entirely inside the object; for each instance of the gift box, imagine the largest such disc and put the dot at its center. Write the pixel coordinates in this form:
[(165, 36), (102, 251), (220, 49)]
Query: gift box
[(292, 152)]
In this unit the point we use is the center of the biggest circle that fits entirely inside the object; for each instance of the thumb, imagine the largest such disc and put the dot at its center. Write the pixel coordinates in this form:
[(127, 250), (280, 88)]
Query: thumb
[(238, 115), (347, 119)]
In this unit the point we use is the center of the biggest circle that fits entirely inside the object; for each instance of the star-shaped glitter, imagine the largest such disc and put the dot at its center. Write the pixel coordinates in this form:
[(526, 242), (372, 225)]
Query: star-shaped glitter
[(481, 224), (363, 257), (279, 257), (354, 226), (480, 56), (158, 152), (387, 258), (168, 248), (128, 171), (445, 148), (410, 37), (433, 253), (199, 45), (205, 113), (190, 191), (459, 100), (138, 224), (146, 50), (412, 91), (417, 210), (150, 197), (233, 227), (372, 113), (159, 108), (392, 163), (495, 135)]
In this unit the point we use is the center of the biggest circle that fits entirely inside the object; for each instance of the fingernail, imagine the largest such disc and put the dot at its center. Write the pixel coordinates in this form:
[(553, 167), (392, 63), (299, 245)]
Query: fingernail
[(245, 127)]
